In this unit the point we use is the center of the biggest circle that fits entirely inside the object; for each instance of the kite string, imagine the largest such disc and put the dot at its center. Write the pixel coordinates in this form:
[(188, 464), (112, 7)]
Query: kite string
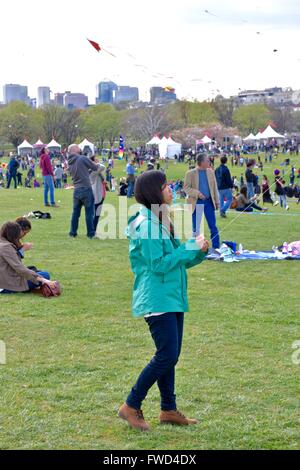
[(242, 212)]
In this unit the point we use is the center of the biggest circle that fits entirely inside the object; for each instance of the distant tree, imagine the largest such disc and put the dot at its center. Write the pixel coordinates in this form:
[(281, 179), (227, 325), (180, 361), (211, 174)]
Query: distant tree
[(144, 123), (188, 113), (18, 122), (61, 124), (250, 118), (283, 119), (224, 109), (102, 123)]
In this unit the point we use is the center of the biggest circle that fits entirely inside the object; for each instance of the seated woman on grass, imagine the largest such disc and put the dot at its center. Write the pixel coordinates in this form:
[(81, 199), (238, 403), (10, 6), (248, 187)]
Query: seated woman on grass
[(14, 276), (247, 205)]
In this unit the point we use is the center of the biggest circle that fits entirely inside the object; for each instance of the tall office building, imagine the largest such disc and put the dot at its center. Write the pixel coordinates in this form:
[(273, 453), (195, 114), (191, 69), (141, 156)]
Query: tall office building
[(126, 93), (75, 100), (59, 99), (105, 92), (12, 92), (161, 95), (43, 96)]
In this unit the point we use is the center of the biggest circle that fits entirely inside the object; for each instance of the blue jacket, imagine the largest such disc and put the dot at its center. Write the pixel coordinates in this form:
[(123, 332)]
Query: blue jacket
[(159, 263), (13, 166), (223, 178)]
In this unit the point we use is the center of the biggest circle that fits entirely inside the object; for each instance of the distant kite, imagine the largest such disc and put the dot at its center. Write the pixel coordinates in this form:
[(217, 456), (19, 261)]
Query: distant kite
[(99, 48)]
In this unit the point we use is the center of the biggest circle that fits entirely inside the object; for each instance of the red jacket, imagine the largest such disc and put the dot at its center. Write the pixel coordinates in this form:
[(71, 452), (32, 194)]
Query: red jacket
[(45, 165)]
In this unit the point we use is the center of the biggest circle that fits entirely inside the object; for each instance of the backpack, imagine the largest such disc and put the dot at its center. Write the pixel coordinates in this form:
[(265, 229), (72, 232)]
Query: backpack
[(42, 215)]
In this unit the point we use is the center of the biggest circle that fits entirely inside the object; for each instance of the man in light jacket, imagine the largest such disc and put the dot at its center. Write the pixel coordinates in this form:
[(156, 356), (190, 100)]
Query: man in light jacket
[(201, 188)]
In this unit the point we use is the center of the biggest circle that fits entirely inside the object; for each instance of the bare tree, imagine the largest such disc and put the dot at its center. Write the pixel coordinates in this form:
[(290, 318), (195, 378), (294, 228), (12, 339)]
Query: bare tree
[(224, 109)]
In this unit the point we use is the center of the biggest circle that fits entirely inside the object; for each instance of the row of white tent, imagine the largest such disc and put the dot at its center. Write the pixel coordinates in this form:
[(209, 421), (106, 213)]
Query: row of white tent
[(267, 134), (53, 146), (168, 148)]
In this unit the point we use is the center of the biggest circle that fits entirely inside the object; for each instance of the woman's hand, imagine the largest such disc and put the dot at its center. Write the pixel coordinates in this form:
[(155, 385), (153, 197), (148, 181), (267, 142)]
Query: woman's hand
[(202, 243), (46, 281), (27, 246)]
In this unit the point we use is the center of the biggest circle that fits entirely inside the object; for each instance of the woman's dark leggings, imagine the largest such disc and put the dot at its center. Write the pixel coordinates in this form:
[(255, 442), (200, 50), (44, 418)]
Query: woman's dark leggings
[(166, 331)]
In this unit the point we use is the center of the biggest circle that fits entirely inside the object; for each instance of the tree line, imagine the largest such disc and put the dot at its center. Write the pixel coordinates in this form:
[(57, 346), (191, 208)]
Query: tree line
[(104, 123)]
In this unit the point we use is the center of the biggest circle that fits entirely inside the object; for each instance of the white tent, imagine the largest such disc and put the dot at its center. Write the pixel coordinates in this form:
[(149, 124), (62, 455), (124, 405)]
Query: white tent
[(53, 145), (168, 148), (250, 137), (24, 148), (87, 146), (154, 141), (269, 133), (257, 136), (39, 143), (206, 140)]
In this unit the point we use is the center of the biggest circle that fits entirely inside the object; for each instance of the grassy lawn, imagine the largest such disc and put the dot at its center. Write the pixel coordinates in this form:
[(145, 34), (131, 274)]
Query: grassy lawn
[(72, 360)]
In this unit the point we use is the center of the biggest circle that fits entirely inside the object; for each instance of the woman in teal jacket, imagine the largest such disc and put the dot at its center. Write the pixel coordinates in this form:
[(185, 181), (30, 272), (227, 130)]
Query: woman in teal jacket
[(159, 264)]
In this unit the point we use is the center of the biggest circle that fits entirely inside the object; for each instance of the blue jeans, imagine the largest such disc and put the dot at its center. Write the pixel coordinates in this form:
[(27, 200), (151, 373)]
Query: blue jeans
[(12, 177), (209, 212), (225, 194), (166, 331), (250, 190), (283, 201), (83, 197), (249, 208), (130, 188), (31, 285), (58, 183), (48, 186)]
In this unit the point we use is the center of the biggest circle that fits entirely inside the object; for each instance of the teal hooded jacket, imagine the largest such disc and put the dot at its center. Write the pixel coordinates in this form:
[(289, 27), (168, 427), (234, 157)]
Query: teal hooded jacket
[(159, 263)]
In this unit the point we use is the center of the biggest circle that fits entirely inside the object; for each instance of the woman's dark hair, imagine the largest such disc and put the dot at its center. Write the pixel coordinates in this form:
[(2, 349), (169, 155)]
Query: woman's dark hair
[(12, 232), (43, 150), (24, 224), (243, 190), (148, 191)]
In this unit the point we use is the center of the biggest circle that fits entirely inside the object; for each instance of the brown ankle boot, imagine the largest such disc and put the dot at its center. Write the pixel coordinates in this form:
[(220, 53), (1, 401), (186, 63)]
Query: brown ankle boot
[(175, 418), (134, 417)]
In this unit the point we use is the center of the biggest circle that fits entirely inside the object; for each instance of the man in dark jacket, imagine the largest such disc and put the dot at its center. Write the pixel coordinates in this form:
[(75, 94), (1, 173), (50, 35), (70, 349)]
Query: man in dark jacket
[(225, 186), (250, 179), (12, 171), (79, 168)]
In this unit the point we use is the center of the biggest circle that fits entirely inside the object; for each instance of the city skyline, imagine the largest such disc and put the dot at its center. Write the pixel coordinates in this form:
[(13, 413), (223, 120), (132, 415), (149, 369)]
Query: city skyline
[(106, 92), (204, 46)]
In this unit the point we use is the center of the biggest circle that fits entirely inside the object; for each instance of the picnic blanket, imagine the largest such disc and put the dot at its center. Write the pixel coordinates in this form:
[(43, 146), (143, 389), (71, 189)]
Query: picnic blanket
[(232, 257)]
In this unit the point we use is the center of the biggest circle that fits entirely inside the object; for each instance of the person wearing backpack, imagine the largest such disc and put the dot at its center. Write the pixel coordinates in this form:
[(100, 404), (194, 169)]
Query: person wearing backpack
[(225, 186)]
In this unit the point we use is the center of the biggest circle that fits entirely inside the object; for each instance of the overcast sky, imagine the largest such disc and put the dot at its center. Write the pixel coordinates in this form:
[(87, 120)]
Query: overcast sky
[(43, 43)]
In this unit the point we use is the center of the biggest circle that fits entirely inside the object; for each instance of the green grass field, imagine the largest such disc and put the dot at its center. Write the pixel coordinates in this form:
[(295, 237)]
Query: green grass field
[(72, 360)]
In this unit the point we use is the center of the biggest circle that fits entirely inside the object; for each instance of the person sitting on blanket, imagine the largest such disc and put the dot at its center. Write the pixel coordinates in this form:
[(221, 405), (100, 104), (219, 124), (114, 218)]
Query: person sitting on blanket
[(247, 205)]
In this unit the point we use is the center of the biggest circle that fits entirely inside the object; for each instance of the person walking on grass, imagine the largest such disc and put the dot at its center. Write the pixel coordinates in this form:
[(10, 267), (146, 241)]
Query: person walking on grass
[(201, 188), (99, 190), (159, 263), (225, 186), (12, 169), (80, 167), (48, 177)]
